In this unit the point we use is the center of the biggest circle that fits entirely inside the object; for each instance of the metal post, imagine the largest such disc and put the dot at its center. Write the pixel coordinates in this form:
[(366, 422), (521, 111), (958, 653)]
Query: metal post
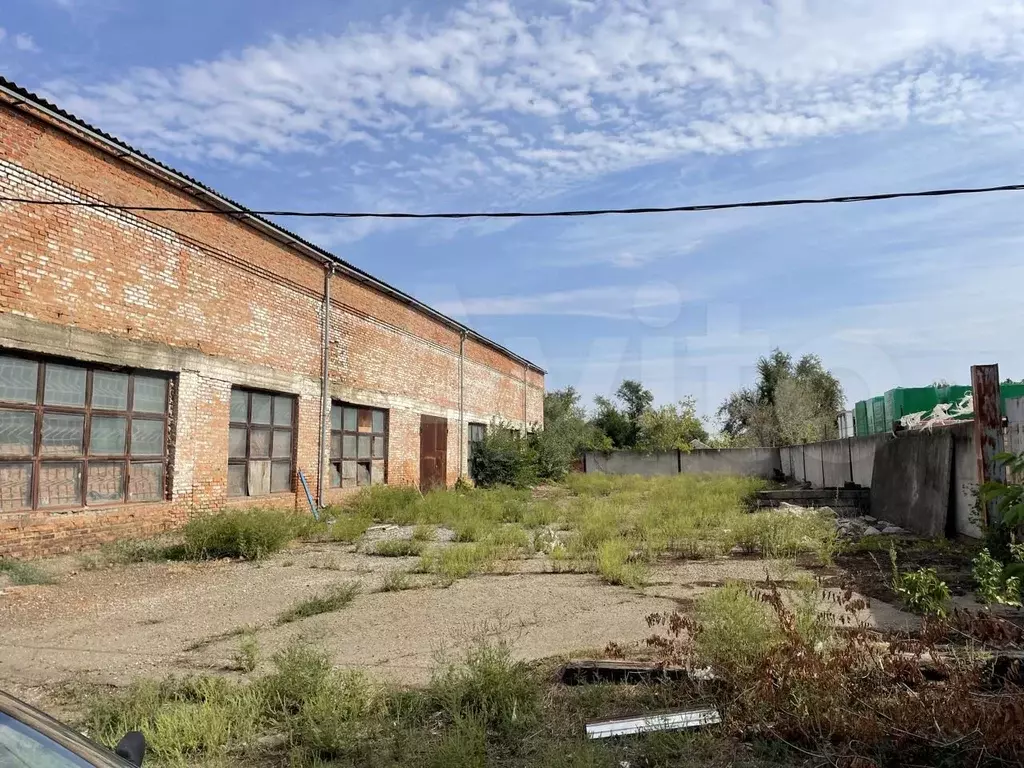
[(462, 414), (525, 370), (325, 397), (988, 428)]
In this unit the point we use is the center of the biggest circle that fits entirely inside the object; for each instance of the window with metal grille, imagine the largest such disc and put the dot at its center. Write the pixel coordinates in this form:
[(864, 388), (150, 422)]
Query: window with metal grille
[(477, 433), (359, 445), (75, 435), (261, 448)]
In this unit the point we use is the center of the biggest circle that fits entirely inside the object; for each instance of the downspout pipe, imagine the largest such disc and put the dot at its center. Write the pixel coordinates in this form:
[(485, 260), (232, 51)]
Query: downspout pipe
[(462, 391), (325, 397), (525, 425)]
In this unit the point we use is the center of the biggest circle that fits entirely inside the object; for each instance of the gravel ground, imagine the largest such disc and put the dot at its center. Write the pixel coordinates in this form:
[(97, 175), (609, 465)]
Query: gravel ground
[(119, 623)]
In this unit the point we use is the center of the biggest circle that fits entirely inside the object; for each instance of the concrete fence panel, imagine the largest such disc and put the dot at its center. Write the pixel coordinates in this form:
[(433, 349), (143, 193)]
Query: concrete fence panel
[(862, 453), (814, 471), (754, 462), (631, 463), (835, 455)]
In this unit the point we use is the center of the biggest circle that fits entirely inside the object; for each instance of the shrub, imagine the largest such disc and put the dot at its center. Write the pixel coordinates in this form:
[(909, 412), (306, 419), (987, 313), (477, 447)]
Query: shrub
[(252, 534), (386, 504), (922, 591), (348, 527), (397, 548), (488, 686), (992, 585), (341, 719), (248, 654), (22, 573), (395, 581), (334, 599), (614, 566), (299, 672), (736, 631), (458, 560), (502, 458), (184, 721)]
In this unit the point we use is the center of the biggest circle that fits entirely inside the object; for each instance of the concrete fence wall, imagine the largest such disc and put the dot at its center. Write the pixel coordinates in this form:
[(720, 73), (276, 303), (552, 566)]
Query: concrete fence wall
[(756, 462), (908, 480)]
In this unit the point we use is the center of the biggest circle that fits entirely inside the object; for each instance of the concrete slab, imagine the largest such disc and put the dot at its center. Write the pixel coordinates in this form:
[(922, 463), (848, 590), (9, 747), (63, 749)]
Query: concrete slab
[(910, 483)]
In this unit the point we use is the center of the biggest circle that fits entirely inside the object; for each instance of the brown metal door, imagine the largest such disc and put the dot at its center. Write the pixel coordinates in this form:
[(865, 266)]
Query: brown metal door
[(433, 452)]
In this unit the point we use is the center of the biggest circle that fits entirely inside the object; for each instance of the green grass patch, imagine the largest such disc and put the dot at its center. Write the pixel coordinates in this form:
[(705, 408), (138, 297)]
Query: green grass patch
[(22, 573), (616, 566), (396, 581), (347, 527), (333, 599), (253, 534), (397, 548), (458, 561)]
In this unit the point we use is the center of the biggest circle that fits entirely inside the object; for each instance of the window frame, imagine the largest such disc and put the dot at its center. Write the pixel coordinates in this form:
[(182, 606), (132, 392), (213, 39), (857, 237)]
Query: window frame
[(273, 428), (336, 462), (86, 457), (471, 444)]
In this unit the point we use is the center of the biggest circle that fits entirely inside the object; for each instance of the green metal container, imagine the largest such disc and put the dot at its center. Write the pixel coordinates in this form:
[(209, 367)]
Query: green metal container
[(860, 418), (902, 401), (876, 415)]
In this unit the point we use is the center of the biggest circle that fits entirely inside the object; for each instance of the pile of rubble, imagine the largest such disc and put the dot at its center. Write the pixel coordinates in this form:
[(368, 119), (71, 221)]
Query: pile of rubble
[(855, 527)]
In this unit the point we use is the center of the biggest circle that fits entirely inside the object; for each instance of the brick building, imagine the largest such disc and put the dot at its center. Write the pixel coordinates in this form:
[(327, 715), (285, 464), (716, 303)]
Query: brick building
[(154, 365)]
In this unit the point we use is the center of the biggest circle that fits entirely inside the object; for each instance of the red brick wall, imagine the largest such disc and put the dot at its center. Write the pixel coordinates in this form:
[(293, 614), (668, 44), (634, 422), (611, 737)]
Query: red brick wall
[(219, 304)]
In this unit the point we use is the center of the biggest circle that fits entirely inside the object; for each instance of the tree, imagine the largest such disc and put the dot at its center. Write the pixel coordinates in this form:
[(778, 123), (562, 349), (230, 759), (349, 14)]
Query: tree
[(637, 401), (670, 427), (612, 423), (567, 432), (788, 404)]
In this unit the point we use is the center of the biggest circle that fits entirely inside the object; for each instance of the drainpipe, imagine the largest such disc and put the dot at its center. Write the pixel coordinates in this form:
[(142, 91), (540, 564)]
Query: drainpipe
[(325, 398), (524, 399), (462, 415)]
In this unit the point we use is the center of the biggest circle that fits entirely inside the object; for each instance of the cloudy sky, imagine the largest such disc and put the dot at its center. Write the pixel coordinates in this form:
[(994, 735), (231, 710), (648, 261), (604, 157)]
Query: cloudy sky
[(388, 105)]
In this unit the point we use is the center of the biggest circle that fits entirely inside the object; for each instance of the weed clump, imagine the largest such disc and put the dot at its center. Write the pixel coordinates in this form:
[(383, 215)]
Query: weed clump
[(253, 534), (334, 599), (615, 566), (397, 548), (22, 573)]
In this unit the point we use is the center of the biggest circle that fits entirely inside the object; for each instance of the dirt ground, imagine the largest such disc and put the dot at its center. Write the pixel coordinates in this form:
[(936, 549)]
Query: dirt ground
[(120, 623)]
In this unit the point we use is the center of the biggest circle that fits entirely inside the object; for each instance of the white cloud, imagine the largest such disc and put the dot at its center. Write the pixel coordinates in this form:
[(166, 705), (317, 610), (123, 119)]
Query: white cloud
[(621, 302), (25, 43), (493, 97)]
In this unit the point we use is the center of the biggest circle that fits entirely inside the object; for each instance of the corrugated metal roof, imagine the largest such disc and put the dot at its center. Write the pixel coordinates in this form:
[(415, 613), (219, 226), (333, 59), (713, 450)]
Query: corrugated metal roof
[(211, 196)]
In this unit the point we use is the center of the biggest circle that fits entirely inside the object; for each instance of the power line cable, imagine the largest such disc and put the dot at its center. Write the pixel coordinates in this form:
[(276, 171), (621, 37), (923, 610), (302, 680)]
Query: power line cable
[(777, 203)]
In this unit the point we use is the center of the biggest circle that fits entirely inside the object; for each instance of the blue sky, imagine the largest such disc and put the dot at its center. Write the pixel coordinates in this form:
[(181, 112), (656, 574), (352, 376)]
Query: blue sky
[(489, 105)]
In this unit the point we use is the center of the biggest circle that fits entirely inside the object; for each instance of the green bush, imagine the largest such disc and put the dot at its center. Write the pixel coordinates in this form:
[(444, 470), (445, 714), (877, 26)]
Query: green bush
[(184, 721), (342, 718), (386, 504), (922, 591), (503, 458), (993, 585), (253, 534), (348, 527), (489, 687), (736, 630), (397, 548), (299, 672), (615, 566)]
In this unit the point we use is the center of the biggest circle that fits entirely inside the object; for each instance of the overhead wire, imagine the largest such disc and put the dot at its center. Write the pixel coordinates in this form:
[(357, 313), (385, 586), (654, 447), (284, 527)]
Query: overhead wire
[(771, 203)]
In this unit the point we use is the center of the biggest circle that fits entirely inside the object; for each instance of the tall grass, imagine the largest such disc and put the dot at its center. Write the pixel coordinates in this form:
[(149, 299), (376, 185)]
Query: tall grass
[(253, 534)]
